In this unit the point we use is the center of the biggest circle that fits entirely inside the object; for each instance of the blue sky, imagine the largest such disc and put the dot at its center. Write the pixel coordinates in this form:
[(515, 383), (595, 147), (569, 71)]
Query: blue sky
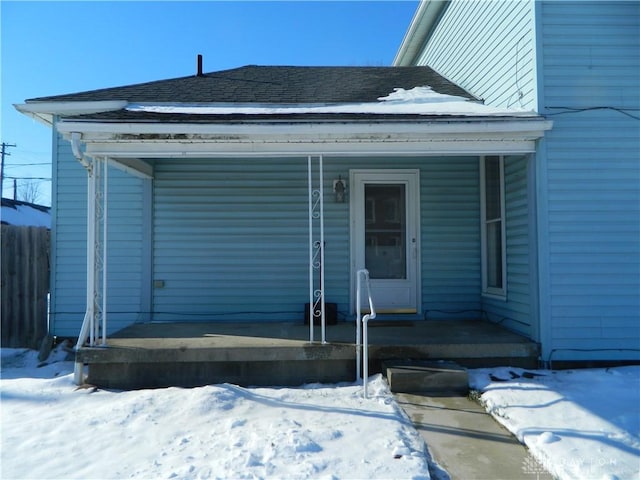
[(50, 48)]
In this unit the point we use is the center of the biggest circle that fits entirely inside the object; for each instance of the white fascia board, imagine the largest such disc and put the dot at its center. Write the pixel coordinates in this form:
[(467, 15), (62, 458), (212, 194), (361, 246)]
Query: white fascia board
[(45, 111), (133, 140), (120, 131), (168, 149)]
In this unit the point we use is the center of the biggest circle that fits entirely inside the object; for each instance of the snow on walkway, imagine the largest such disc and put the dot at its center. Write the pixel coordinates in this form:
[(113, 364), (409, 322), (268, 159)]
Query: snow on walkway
[(52, 430)]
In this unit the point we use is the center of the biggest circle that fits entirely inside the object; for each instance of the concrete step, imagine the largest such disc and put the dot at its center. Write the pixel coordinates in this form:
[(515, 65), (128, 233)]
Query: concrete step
[(426, 377)]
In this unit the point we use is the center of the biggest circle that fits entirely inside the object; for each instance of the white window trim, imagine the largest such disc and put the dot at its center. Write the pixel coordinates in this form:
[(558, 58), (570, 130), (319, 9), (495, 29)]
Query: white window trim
[(492, 292)]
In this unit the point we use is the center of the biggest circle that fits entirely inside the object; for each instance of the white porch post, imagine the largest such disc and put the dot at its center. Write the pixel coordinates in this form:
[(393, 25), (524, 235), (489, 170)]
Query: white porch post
[(316, 249), (94, 324), (105, 191), (311, 260), (322, 245)]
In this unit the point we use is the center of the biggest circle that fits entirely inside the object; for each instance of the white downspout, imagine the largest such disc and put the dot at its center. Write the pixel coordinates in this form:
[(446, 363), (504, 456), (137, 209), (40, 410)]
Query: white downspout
[(87, 328), (78, 370), (75, 148)]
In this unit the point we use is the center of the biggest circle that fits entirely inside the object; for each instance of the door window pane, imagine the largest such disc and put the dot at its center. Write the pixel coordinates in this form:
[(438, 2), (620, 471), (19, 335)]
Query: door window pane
[(385, 231)]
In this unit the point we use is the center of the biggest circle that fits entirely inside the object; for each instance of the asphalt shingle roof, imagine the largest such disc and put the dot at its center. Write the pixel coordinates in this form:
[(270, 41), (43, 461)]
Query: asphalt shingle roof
[(275, 84)]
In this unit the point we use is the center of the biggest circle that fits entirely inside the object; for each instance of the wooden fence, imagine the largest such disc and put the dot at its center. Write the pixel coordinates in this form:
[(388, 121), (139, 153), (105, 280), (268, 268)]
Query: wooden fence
[(25, 285)]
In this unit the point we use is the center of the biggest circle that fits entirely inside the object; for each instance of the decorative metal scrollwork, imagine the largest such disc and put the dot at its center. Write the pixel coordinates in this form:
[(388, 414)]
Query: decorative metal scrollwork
[(315, 207), (315, 262), (316, 246)]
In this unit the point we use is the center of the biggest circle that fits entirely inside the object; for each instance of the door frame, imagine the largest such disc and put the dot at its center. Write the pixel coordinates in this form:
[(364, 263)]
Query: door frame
[(412, 175)]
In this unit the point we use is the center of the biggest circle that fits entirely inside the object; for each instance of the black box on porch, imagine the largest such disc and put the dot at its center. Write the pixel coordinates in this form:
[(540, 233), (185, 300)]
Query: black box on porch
[(330, 314)]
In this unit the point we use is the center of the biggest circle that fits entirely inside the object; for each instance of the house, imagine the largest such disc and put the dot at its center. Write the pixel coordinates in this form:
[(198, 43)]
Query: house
[(208, 197), (577, 64)]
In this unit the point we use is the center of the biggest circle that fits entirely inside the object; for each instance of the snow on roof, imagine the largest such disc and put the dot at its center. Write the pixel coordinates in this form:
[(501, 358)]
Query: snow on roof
[(15, 212), (415, 101)]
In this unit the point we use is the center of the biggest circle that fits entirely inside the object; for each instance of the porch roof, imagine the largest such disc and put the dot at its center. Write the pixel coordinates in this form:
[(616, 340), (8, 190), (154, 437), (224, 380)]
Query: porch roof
[(286, 110), (275, 85), (275, 94)]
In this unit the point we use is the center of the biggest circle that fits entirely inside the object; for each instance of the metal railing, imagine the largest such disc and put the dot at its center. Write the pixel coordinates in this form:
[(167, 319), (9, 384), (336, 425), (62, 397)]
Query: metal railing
[(362, 339)]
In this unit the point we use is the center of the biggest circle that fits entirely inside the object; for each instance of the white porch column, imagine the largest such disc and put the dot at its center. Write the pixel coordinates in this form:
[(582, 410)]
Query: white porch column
[(316, 248), (94, 329)]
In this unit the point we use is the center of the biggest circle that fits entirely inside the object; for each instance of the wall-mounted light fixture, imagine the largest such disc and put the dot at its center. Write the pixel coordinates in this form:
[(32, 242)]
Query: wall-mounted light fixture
[(340, 189)]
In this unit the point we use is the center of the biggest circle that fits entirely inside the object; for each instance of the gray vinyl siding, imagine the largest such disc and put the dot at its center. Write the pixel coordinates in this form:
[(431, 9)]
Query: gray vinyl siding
[(231, 237), (68, 251), (592, 187), (515, 312), (502, 75)]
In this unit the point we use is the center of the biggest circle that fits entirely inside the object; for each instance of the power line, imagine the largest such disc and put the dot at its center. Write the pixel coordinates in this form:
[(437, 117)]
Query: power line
[(28, 178), (3, 152), (17, 165)]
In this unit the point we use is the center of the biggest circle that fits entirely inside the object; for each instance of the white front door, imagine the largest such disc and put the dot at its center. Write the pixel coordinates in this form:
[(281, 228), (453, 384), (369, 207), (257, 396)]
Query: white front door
[(385, 225)]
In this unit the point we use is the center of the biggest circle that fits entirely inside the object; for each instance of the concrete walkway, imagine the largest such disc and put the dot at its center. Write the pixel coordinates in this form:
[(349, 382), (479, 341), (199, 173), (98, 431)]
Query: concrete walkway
[(466, 441)]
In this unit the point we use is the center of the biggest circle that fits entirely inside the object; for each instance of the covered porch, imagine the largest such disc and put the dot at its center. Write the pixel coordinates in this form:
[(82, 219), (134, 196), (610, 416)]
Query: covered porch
[(264, 234), (265, 354), (214, 204)]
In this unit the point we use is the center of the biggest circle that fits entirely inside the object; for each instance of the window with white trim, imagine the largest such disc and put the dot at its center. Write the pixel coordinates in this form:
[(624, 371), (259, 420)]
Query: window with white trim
[(493, 236)]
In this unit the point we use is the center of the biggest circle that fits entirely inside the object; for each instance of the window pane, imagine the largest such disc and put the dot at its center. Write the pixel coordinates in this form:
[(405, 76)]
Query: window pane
[(494, 255), (492, 187), (385, 231)]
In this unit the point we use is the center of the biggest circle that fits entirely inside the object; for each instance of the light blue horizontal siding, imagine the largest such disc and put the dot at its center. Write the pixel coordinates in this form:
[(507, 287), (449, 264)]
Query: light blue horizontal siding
[(450, 213), (68, 245), (591, 61), (488, 48), (591, 54), (68, 253), (231, 237), (516, 311)]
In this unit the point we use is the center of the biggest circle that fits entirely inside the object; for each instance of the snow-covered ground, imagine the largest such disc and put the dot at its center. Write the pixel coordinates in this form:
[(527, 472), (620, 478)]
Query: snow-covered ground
[(579, 424), (52, 430)]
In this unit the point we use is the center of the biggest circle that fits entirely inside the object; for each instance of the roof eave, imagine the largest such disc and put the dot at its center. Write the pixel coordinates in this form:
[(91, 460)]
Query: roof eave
[(46, 111), (144, 141), (442, 123)]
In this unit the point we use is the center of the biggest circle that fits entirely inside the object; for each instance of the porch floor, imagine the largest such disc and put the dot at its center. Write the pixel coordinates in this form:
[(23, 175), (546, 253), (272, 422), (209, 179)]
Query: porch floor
[(189, 354)]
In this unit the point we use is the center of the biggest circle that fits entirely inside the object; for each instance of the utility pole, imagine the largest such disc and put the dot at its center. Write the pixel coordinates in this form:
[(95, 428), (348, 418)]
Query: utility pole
[(3, 152)]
